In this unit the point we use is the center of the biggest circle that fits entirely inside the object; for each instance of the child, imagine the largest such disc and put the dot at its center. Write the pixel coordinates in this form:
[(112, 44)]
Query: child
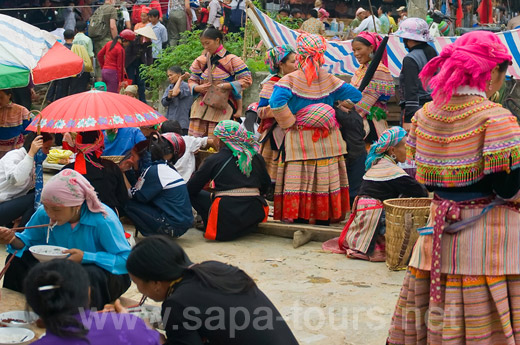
[(160, 32), (186, 164), (160, 202), (59, 292), (178, 98)]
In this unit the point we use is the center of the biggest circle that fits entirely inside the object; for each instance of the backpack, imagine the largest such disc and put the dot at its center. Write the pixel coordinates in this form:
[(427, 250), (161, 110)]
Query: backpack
[(238, 16), (97, 28)]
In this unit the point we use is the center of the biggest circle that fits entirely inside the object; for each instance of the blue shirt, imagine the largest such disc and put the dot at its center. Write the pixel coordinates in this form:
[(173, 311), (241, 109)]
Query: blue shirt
[(162, 37), (101, 239), (165, 188), (178, 108), (125, 140), (282, 96)]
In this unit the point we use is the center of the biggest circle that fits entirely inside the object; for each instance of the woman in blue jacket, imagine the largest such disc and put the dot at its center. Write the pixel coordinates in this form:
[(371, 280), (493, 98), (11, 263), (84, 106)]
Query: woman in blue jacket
[(160, 202)]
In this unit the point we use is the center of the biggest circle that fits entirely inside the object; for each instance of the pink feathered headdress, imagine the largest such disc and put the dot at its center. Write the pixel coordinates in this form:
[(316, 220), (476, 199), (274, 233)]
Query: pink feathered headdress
[(375, 40), (466, 62)]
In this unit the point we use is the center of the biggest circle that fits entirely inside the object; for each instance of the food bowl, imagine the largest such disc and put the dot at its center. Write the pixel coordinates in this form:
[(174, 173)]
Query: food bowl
[(17, 318), (13, 335), (44, 253)]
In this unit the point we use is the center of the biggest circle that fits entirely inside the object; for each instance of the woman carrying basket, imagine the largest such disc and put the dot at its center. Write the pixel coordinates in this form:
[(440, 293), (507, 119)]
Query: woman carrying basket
[(363, 235), (465, 266)]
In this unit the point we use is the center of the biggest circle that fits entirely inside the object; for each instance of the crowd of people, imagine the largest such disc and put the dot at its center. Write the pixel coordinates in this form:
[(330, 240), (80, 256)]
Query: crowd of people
[(319, 148)]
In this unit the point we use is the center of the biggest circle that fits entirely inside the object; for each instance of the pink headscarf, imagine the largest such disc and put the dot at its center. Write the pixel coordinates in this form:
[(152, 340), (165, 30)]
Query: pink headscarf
[(375, 40), (466, 62), (324, 14), (69, 188)]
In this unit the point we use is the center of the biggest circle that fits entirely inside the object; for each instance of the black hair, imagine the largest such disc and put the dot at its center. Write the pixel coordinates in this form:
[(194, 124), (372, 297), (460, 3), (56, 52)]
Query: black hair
[(295, 11), (212, 34), (141, 147), (286, 10), (160, 258), (385, 9), (503, 66), (66, 292), (314, 13), (176, 70), (32, 135), (114, 42), (8, 92), (68, 34), (81, 26), (171, 126), (362, 40), (374, 11), (153, 13), (284, 60), (160, 147), (42, 2), (89, 137)]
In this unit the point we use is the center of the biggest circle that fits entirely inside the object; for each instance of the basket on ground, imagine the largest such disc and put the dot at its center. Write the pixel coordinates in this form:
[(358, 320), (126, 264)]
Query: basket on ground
[(115, 159), (403, 217)]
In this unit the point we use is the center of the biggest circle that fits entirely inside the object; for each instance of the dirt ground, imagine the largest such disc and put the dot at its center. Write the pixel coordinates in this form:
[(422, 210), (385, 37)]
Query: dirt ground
[(325, 298)]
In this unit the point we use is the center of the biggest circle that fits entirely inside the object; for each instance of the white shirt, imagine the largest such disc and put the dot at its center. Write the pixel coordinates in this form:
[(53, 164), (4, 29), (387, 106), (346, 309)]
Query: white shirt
[(186, 164), (234, 4), (16, 174), (368, 25), (214, 7)]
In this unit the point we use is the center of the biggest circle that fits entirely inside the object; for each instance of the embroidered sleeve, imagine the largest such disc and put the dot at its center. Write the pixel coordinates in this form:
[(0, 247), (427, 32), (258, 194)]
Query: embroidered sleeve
[(196, 71), (380, 88), (501, 149), (411, 141), (241, 73)]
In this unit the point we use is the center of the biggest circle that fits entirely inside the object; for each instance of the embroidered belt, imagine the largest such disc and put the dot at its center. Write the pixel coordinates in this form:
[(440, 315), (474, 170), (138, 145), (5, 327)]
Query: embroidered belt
[(238, 192), (447, 218)]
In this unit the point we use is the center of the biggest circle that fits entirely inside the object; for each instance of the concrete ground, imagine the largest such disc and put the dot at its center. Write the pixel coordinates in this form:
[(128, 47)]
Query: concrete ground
[(325, 298)]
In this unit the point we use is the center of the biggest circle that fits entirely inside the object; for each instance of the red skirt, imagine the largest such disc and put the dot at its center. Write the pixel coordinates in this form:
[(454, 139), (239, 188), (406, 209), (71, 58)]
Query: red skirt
[(312, 190)]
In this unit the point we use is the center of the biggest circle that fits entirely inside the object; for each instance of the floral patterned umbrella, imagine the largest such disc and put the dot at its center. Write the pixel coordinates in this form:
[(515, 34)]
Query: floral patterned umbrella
[(95, 110)]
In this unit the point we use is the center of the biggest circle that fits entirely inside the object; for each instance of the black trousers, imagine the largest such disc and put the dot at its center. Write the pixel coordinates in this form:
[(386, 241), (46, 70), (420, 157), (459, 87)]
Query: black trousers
[(105, 287), (355, 173), (23, 206)]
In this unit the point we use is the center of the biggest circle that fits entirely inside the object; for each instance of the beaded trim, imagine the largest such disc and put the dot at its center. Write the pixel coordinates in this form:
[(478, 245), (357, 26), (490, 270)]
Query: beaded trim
[(460, 116), (452, 139), (462, 106)]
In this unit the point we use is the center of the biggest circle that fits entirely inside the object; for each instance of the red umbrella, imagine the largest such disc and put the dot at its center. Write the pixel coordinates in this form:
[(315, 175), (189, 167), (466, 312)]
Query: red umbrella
[(95, 110)]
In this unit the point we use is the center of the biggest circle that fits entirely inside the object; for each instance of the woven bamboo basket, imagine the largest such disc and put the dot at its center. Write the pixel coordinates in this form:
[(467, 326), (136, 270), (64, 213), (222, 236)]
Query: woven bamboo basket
[(403, 218), (115, 159)]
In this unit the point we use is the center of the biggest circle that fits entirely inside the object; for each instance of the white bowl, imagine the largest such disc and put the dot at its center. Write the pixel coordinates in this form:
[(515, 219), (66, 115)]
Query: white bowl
[(44, 253), (19, 318), (12, 335)]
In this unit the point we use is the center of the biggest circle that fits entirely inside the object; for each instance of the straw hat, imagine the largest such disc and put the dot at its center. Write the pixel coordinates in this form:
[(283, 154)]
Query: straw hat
[(359, 11), (147, 32), (401, 9), (133, 89)]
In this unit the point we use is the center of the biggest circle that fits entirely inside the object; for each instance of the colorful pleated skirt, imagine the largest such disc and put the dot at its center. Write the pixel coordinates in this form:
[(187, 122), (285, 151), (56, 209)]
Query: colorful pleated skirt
[(315, 189)]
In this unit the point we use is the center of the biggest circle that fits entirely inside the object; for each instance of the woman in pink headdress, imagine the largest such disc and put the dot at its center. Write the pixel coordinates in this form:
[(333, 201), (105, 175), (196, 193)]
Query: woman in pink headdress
[(90, 230), (372, 106), (463, 279)]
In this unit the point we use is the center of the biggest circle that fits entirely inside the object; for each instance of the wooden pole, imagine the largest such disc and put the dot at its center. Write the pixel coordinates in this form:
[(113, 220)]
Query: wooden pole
[(253, 10), (244, 48), (373, 16)]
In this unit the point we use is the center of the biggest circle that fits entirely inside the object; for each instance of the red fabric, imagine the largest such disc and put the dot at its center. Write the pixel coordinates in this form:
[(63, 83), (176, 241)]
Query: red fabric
[(154, 5), (113, 59), (204, 15), (485, 12), (59, 62), (211, 227), (311, 206), (460, 14)]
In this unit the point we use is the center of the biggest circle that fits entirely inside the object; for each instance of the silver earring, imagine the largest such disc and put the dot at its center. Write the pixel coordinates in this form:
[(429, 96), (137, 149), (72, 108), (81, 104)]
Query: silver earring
[(490, 83), (394, 157)]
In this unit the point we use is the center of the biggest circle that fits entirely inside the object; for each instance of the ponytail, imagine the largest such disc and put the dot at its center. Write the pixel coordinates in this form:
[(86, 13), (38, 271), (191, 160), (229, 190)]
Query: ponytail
[(114, 42), (57, 290)]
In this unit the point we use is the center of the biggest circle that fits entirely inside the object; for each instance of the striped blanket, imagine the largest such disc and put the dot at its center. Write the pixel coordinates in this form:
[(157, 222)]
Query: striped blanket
[(340, 60)]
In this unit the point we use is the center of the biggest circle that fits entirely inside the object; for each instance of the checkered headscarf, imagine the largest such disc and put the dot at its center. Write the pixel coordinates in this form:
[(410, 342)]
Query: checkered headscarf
[(241, 142), (310, 49), (275, 55), (389, 138)]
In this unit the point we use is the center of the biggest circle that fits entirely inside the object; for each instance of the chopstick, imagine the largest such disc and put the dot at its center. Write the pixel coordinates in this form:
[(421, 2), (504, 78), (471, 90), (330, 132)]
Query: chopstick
[(2, 273), (30, 227), (141, 302)]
